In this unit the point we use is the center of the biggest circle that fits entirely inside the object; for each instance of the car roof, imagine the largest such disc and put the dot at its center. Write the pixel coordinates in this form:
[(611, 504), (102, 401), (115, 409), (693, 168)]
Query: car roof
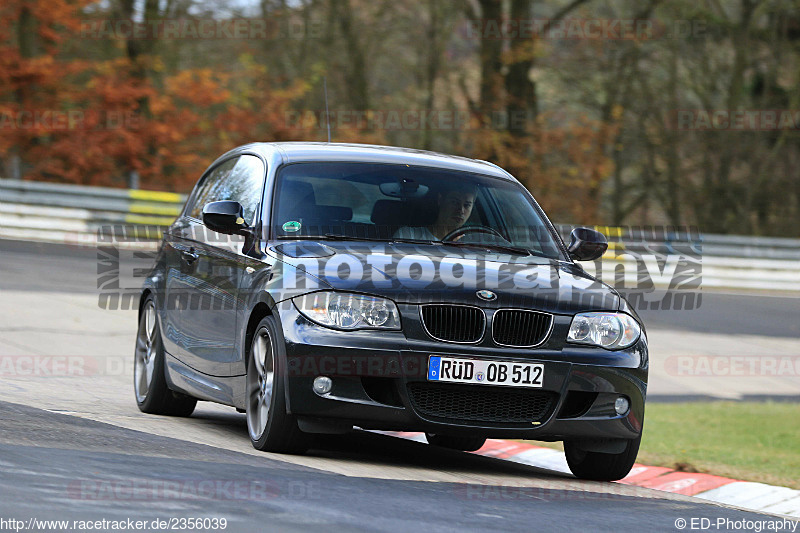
[(294, 152)]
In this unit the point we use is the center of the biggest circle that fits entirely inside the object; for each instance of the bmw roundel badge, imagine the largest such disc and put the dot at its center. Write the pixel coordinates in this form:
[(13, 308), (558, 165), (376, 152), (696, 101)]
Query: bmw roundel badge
[(486, 295)]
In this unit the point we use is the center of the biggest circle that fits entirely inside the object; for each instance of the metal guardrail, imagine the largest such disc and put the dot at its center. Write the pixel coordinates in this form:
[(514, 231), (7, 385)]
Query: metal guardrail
[(75, 214)]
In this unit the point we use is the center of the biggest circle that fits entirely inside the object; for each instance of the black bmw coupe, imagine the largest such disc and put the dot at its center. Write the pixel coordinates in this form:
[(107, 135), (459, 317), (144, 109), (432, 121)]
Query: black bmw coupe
[(319, 287)]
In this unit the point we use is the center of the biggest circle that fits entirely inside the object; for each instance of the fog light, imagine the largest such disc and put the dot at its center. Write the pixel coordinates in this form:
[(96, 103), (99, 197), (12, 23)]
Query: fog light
[(621, 405), (323, 385)]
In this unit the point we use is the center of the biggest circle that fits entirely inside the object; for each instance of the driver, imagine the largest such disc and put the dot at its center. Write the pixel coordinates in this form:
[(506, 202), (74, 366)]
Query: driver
[(455, 208)]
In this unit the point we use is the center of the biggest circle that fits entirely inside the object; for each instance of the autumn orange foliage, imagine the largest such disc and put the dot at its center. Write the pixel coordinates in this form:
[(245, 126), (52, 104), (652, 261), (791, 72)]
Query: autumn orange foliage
[(561, 160), (93, 122)]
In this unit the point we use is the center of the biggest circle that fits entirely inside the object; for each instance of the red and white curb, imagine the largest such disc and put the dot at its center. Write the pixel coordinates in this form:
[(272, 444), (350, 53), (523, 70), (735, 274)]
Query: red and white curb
[(744, 494)]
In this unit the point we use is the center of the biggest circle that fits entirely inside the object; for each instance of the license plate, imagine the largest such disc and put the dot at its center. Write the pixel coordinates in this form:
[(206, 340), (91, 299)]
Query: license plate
[(484, 372)]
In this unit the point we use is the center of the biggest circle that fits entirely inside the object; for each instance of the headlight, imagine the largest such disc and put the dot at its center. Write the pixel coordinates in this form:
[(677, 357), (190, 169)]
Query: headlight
[(609, 330), (342, 310)]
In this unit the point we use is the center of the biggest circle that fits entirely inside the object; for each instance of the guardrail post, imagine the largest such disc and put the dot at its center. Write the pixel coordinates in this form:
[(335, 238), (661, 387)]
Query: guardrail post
[(14, 167)]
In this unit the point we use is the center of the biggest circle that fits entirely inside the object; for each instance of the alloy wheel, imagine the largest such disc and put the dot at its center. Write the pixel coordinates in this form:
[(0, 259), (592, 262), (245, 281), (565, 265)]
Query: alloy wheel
[(260, 375), (145, 352)]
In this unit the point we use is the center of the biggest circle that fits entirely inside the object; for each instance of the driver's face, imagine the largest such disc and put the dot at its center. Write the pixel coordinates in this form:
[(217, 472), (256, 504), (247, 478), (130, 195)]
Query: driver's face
[(455, 207)]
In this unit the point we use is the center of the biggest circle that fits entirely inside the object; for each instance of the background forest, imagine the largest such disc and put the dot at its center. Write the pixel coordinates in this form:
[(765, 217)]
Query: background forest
[(615, 112)]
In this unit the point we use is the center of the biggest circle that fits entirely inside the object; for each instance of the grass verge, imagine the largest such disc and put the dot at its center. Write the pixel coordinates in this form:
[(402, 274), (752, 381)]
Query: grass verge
[(750, 441)]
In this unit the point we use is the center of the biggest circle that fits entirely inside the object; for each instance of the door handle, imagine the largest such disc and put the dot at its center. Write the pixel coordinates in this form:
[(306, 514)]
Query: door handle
[(190, 256)]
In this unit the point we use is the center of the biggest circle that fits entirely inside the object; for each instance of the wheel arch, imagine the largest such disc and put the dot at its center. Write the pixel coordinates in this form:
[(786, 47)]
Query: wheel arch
[(142, 299), (257, 314)]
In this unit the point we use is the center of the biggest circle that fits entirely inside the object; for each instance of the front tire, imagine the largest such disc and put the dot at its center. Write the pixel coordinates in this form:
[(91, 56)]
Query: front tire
[(465, 444), (270, 427), (153, 396), (599, 466)]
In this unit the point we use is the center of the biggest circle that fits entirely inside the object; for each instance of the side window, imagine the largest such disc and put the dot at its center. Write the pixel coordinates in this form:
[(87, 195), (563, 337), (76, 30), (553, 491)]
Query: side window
[(245, 185), (240, 179), (210, 184)]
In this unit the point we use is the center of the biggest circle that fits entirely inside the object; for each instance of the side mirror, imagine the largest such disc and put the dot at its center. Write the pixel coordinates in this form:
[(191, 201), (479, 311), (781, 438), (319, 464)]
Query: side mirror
[(225, 217), (587, 244)]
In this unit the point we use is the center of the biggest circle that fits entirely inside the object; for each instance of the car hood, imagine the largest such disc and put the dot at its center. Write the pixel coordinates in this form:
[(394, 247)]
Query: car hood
[(417, 274)]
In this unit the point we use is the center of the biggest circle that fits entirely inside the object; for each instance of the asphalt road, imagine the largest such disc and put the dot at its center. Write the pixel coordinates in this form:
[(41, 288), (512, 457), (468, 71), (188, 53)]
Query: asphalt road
[(60, 467), (39, 266)]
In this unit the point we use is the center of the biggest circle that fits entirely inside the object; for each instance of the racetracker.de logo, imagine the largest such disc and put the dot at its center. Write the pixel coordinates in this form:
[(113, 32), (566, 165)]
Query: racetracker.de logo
[(53, 120), (734, 119), (733, 365), (62, 365), (182, 490), (209, 29), (558, 29)]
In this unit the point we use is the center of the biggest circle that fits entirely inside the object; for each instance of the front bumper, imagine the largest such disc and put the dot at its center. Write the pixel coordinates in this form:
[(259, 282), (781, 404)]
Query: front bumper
[(380, 382)]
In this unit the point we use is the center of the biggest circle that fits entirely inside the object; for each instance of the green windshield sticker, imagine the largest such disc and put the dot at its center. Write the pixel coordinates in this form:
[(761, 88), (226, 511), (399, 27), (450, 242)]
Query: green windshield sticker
[(292, 226)]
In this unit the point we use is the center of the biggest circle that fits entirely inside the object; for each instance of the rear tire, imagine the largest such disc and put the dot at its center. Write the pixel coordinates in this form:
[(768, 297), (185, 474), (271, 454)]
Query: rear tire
[(270, 427), (465, 444), (153, 396), (599, 466)]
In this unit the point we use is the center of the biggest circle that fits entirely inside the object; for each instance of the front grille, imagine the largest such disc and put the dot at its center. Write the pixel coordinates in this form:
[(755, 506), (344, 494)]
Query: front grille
[(454, 323), (480, 403), (516, 327)]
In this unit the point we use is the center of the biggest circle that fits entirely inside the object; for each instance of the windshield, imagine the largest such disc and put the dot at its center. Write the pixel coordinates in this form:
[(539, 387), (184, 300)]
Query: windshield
[(389, 202)]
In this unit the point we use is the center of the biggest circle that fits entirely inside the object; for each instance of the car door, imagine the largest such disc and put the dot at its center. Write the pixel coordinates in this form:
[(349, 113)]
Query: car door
[(205, 268)]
